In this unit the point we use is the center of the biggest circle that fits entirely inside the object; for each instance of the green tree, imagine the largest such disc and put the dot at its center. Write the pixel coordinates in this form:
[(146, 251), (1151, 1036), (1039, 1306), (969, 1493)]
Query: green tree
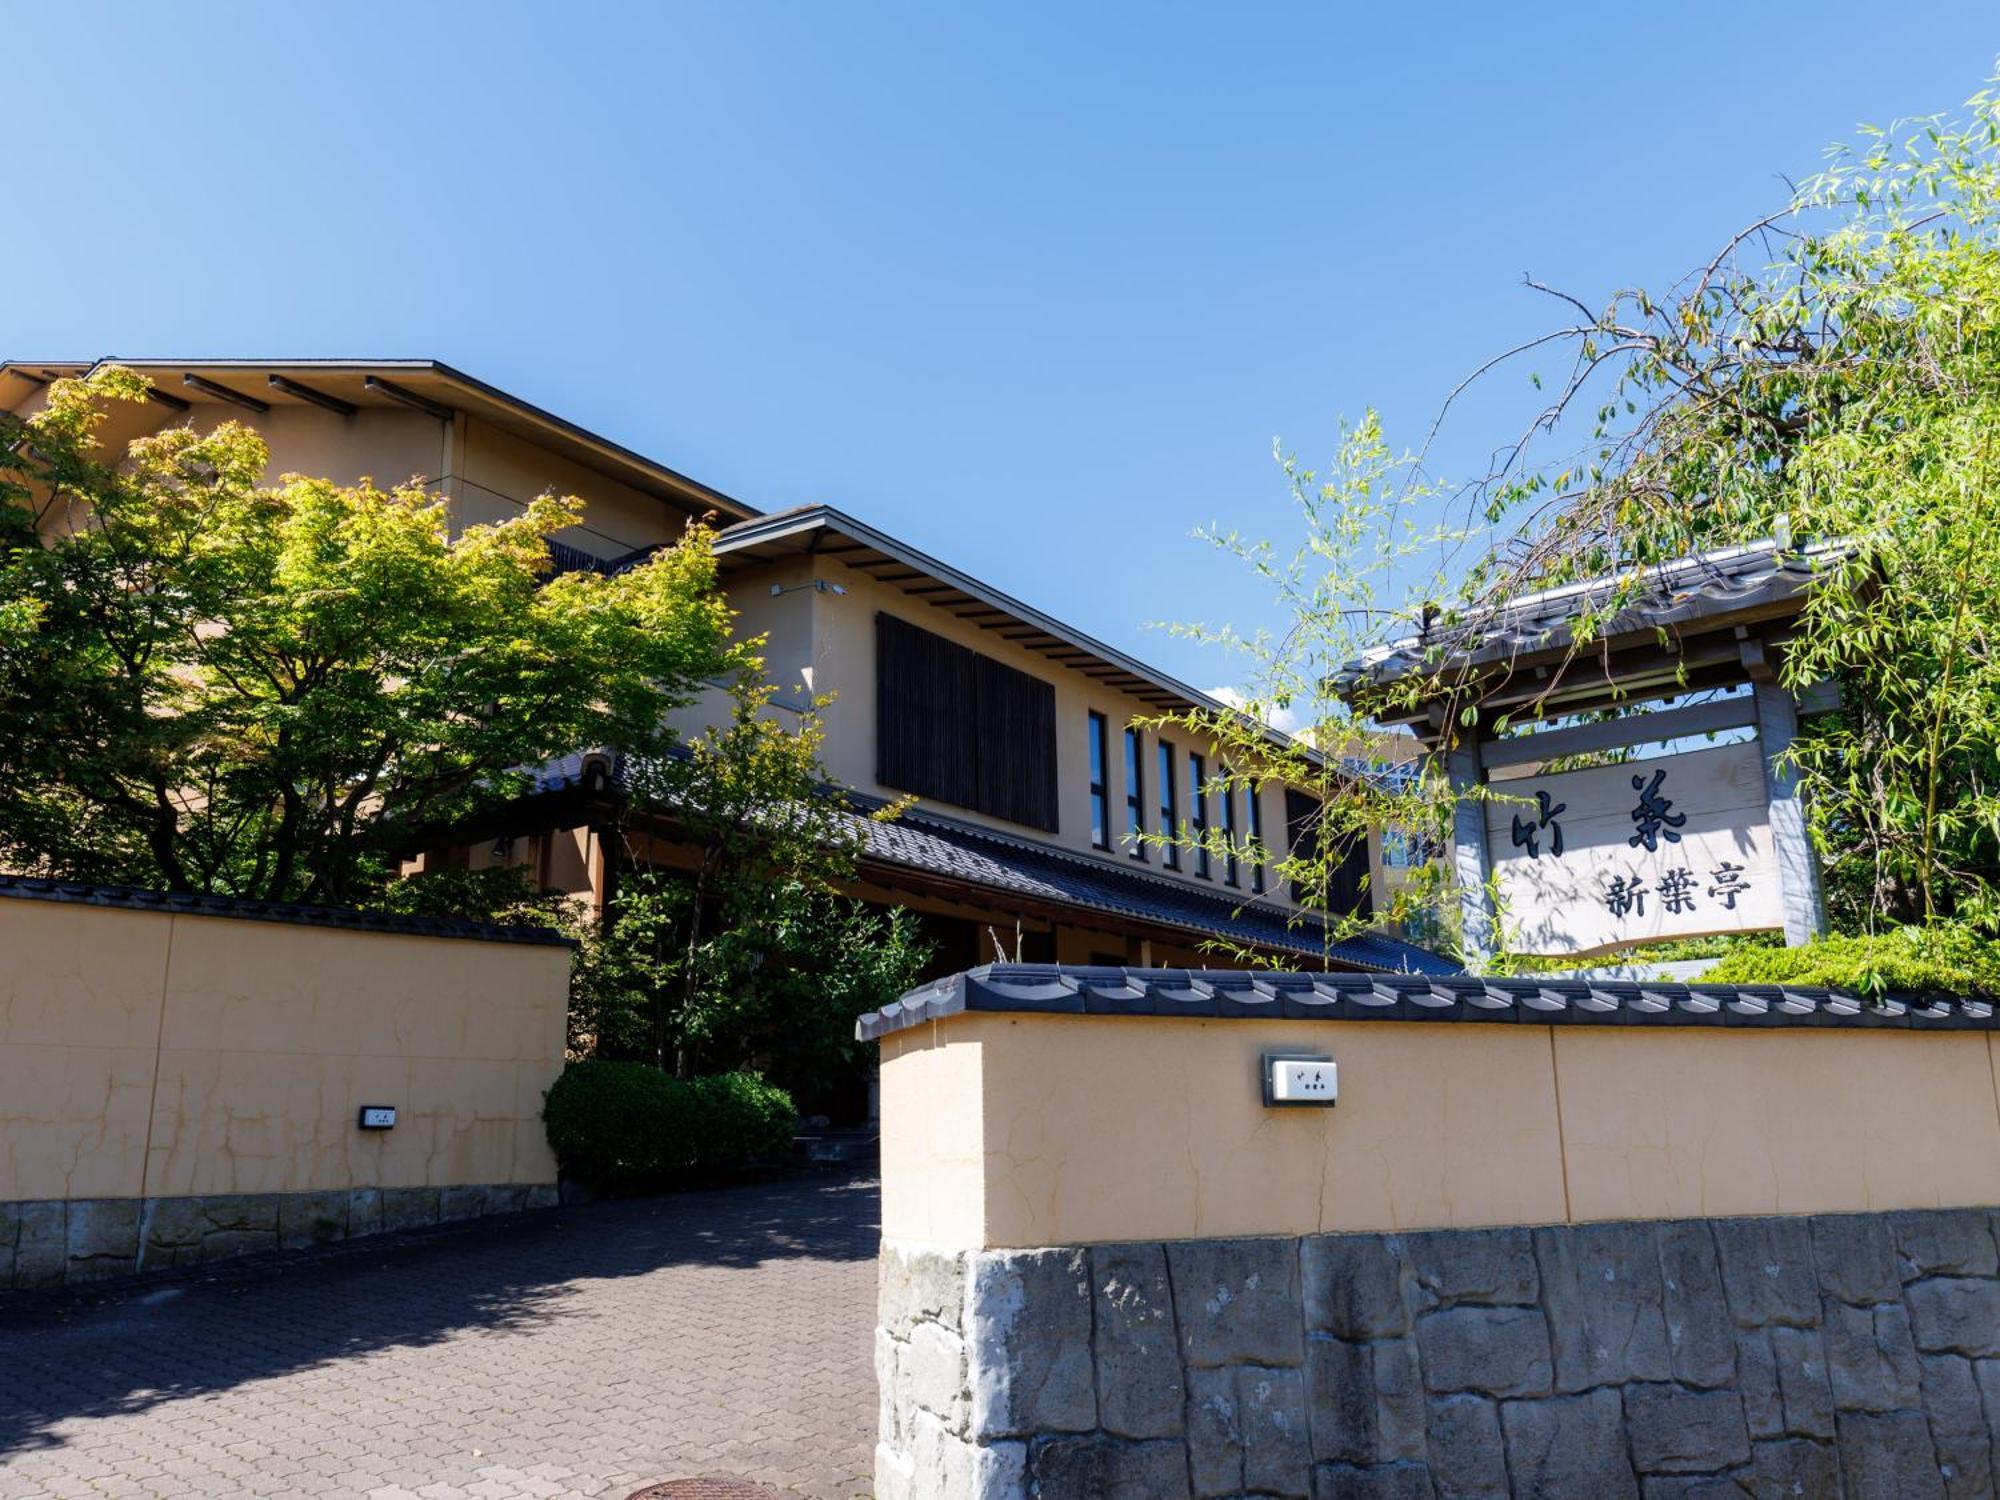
[(1368, 553), (1831, 375), (210, 684), (729, 943)]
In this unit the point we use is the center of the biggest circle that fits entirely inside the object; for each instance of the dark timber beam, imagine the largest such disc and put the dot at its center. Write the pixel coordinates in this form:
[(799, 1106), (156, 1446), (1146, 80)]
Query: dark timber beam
[(407, 397), (306, 393), (224, 393)]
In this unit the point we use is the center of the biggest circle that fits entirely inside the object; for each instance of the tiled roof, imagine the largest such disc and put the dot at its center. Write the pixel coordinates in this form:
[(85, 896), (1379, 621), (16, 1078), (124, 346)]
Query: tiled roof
[(193, 904), (997, 861), (1671, 594), (1074, 989)]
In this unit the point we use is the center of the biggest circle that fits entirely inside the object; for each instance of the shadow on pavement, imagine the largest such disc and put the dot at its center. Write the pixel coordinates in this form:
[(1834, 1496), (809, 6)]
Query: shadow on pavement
[(81, 1355)]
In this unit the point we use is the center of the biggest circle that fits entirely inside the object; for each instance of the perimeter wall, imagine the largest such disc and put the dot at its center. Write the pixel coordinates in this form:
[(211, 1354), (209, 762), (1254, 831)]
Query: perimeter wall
[(1513, 1259), (175, 1088)]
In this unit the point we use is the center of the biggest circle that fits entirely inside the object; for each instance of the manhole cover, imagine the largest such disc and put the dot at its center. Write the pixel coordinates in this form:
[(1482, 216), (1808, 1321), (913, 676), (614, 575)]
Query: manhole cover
[(705, 1489)]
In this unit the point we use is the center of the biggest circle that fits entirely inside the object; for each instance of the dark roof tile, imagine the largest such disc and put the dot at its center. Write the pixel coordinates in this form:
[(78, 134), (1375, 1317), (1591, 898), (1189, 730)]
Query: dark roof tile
[(1250, 994), (198, 904)]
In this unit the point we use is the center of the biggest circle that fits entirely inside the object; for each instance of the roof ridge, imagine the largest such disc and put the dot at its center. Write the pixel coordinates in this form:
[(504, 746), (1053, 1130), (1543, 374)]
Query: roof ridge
[(208, 904), (1293, 995), (1082, 861)]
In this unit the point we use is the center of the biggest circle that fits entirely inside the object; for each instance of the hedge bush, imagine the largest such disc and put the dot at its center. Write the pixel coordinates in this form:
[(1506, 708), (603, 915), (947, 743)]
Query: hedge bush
[(626, 1124), (1944, 959)]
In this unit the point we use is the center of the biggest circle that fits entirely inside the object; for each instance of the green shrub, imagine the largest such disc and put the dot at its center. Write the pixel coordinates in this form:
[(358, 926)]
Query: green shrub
[(1944, 958), (1674, 950), (626, 1124)]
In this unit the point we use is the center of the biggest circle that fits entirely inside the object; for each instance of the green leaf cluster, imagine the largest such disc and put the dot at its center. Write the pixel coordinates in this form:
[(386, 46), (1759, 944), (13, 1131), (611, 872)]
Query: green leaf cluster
[(1945, 958), (1828, 380), (728, 941), (630, 1125), (1832, 376), (1368, 553), (275, 691)]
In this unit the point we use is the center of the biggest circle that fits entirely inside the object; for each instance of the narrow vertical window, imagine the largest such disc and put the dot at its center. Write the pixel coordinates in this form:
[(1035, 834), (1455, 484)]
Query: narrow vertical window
[(1198, 811), (1100, 796), (1227, 823), (1170, 811), (1135, 795), (1256, 793)]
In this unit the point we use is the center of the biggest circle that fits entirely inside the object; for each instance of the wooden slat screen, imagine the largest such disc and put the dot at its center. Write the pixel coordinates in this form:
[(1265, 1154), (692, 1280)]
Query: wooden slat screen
[(1017, 745), (963, 728), (926, 735), (1349, 892), (1347, 883)]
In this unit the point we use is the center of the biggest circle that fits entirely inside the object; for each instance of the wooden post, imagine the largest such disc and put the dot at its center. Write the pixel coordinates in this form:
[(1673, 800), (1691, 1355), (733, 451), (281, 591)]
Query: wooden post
[(1471, 862), (1798, 866)]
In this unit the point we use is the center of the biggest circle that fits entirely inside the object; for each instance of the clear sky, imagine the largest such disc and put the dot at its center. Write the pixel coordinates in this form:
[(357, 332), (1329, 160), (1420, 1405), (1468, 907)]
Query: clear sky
[(1031, 286)]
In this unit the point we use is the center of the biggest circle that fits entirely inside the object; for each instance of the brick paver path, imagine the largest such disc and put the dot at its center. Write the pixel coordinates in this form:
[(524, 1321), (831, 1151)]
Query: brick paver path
[(582, 1352)]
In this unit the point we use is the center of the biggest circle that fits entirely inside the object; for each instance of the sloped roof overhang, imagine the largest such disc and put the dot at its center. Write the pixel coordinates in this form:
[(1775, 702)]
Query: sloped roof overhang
[(1711, 620), (823, 531), (384, 384)]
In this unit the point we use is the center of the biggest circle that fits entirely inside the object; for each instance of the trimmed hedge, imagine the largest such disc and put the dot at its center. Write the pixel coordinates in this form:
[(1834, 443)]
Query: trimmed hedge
[(625, 1124), (1946, 959)]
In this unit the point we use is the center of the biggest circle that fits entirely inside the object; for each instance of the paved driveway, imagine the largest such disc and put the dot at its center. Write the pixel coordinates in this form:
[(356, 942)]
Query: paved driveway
[(583, 1352)]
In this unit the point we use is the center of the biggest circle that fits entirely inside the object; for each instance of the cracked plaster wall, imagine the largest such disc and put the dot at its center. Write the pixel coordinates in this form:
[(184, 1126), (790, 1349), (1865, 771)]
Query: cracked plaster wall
[(1010, 1131), (152, 1056)]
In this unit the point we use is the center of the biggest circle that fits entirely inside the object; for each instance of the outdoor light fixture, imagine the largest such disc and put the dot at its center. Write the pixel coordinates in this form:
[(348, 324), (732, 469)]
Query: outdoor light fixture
[(378, 1117), (818, 586), (1300, 1078)]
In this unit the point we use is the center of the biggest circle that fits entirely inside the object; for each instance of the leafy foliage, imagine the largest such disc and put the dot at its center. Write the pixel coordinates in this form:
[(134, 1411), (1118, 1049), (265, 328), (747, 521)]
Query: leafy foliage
[(1945, 958), (501, 894), (631, 1125), (1830, 379), (1362, 563), (209, 684), (1842, 391), (743, 950), (1674, 950)]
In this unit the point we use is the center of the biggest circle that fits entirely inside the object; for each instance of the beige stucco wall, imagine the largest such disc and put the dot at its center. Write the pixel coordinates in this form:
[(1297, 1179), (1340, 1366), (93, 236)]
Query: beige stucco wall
[(501, 472), (933, 1136), (1076, 1129), (143, 1055), (843, 663), (489, 474)]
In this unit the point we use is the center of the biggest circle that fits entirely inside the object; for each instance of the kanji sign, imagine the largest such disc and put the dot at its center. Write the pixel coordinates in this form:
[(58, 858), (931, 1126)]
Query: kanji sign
[(1675, 846)]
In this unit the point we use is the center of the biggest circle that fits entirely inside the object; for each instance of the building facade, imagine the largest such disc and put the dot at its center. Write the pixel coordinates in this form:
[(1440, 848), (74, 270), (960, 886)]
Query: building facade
[(1014, 731)]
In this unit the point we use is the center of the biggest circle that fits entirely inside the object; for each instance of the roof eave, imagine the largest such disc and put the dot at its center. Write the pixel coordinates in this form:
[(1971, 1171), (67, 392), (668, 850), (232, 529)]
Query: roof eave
[(685, 490), (783, 525)]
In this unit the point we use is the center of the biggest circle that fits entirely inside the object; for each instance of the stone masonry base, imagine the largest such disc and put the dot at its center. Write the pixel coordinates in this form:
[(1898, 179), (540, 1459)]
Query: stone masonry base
[(65, 1243), (1854, 1355)]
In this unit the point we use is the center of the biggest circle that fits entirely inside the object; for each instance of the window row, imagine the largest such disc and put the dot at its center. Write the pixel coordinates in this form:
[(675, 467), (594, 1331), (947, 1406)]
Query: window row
[(1203, 794)]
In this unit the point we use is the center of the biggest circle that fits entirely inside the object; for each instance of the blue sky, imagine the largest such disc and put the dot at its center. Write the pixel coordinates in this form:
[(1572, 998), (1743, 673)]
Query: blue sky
[(1032, 286)]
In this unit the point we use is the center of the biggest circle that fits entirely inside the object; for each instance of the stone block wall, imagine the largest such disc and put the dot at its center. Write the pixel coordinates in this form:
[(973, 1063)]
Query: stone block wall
[(69, 1242), (1854, 1355)]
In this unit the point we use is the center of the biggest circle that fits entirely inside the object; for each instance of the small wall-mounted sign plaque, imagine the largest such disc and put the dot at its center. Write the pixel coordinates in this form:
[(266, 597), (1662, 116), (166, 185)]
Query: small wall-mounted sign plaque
[(378, 1116), (1307, 1078)]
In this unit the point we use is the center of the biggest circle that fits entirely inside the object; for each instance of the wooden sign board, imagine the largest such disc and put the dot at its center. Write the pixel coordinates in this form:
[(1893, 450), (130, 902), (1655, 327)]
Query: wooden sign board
[(1677, 846)]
